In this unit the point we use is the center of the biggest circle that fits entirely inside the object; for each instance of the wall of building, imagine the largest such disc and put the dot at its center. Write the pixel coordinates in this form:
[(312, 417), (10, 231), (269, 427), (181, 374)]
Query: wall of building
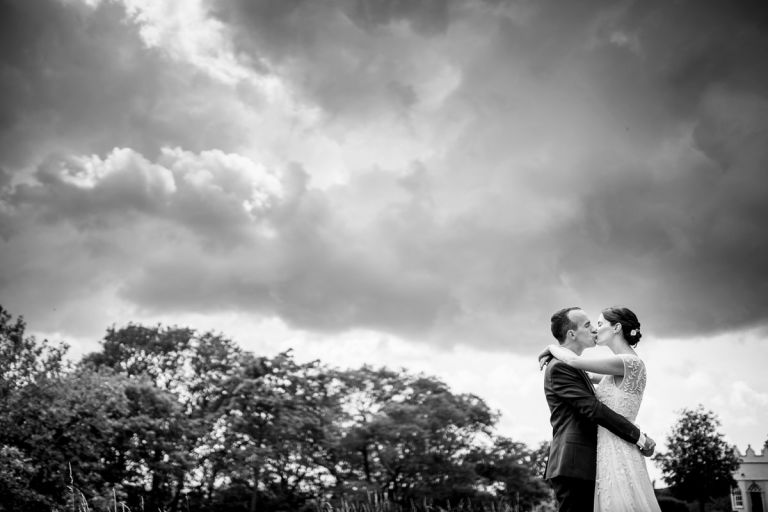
[(752, 475)]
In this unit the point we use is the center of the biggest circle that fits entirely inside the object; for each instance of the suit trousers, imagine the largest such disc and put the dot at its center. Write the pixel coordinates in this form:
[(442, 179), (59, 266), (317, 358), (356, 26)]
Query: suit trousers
[(574, 494)]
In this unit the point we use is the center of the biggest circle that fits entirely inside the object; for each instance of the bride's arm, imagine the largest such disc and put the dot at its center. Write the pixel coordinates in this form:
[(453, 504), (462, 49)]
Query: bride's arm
[(610, 365)]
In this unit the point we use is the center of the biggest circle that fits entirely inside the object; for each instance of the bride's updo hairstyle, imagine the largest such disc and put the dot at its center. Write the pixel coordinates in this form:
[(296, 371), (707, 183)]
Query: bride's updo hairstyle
[(630, 326)]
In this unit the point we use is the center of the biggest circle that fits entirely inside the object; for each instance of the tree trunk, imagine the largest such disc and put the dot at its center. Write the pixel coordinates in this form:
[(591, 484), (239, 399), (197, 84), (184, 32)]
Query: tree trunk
[(209, 488), (255, 494), (157, 481), (177, 495), (366, 464)]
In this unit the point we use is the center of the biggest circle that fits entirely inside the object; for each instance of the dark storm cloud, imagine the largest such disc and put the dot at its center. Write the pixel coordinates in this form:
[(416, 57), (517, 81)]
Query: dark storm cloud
[(341, 54), (424, 16), (545, 154), (59, 77), (212, 233), (77, 79), (281, 20), (656, 122), (307, 266), (216, 233), (695, 225)]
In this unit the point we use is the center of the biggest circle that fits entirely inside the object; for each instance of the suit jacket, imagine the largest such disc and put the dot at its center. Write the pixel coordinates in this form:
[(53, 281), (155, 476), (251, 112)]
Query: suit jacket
[(575, 413)]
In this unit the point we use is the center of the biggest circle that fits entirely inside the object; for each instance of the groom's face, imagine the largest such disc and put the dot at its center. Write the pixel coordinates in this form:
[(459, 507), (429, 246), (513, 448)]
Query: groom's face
[(584, 333)]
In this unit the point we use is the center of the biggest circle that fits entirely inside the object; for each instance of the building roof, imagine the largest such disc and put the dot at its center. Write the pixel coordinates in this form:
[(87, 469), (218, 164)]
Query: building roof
[(754, 466)]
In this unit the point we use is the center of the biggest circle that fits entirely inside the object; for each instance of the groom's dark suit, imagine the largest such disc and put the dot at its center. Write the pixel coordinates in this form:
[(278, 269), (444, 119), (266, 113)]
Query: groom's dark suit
[(575, 413)]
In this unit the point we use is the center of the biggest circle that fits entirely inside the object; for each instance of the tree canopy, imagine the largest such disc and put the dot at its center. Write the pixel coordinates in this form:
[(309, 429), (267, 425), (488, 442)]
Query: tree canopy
[(167, 418), (699, 462)]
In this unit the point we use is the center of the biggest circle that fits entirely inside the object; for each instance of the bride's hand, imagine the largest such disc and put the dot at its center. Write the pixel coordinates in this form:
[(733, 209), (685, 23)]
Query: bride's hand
[(544, 358)]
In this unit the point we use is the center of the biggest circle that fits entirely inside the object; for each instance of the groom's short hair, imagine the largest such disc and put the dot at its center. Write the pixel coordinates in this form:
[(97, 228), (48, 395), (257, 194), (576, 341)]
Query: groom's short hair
[(561, 323)]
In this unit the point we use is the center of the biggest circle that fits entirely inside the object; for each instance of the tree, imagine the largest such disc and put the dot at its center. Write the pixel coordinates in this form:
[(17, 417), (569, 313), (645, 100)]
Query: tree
[(27, 369), (411, 438), (275, 421), (699, 463), (176, 377), (23, 359), (162, 417), (65, 432), (513, 470), (158, 353), (539, 458)]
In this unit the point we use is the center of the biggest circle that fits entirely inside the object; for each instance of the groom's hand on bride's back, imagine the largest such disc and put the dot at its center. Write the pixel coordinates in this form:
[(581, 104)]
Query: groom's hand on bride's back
[(650, 446)]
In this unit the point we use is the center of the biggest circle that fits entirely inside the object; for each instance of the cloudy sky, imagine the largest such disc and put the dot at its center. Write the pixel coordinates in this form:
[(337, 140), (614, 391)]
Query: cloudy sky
[(414, 183)]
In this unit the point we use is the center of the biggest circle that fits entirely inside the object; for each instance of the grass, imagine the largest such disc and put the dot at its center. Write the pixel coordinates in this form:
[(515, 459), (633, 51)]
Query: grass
[(77, 502), (425, 506)]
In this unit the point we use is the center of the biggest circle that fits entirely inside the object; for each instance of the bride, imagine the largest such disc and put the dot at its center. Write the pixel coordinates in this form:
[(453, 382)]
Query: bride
[(622, 477)]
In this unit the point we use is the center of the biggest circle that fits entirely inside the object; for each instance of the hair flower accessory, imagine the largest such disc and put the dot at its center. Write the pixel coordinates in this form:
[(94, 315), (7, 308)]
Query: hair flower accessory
[(634, 332)]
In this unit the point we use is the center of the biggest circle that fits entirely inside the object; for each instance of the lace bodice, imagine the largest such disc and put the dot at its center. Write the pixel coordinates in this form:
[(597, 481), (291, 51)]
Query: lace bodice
[(625, 396)]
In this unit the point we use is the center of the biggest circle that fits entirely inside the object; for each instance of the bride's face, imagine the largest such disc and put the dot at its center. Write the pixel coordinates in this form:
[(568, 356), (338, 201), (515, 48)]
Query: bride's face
[(604, 330)]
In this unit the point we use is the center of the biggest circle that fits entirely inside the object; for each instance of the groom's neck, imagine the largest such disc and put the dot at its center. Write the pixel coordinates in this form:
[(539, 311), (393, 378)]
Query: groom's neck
[(573, 347)]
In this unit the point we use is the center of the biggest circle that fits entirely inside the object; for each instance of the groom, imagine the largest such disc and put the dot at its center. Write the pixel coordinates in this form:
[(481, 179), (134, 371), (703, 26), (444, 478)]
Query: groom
[(575, 413)]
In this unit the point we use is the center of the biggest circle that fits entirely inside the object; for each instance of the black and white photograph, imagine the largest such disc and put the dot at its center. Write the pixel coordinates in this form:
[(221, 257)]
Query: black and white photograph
[(383, 255)]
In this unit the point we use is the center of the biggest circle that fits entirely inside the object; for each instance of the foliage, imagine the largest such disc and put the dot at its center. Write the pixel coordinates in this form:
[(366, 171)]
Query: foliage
[(274, 429), (513, 468), (411, 437), (23, 359), (699, 463), (16, 473), (27, 368), (166, 418), (539, 458), (670, 504)]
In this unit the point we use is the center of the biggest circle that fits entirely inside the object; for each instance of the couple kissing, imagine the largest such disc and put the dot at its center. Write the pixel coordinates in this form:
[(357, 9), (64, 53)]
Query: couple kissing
[(596, 458)]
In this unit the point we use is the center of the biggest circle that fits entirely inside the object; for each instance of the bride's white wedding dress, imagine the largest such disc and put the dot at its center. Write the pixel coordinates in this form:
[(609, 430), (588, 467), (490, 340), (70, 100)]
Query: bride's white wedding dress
[(622, 478)]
